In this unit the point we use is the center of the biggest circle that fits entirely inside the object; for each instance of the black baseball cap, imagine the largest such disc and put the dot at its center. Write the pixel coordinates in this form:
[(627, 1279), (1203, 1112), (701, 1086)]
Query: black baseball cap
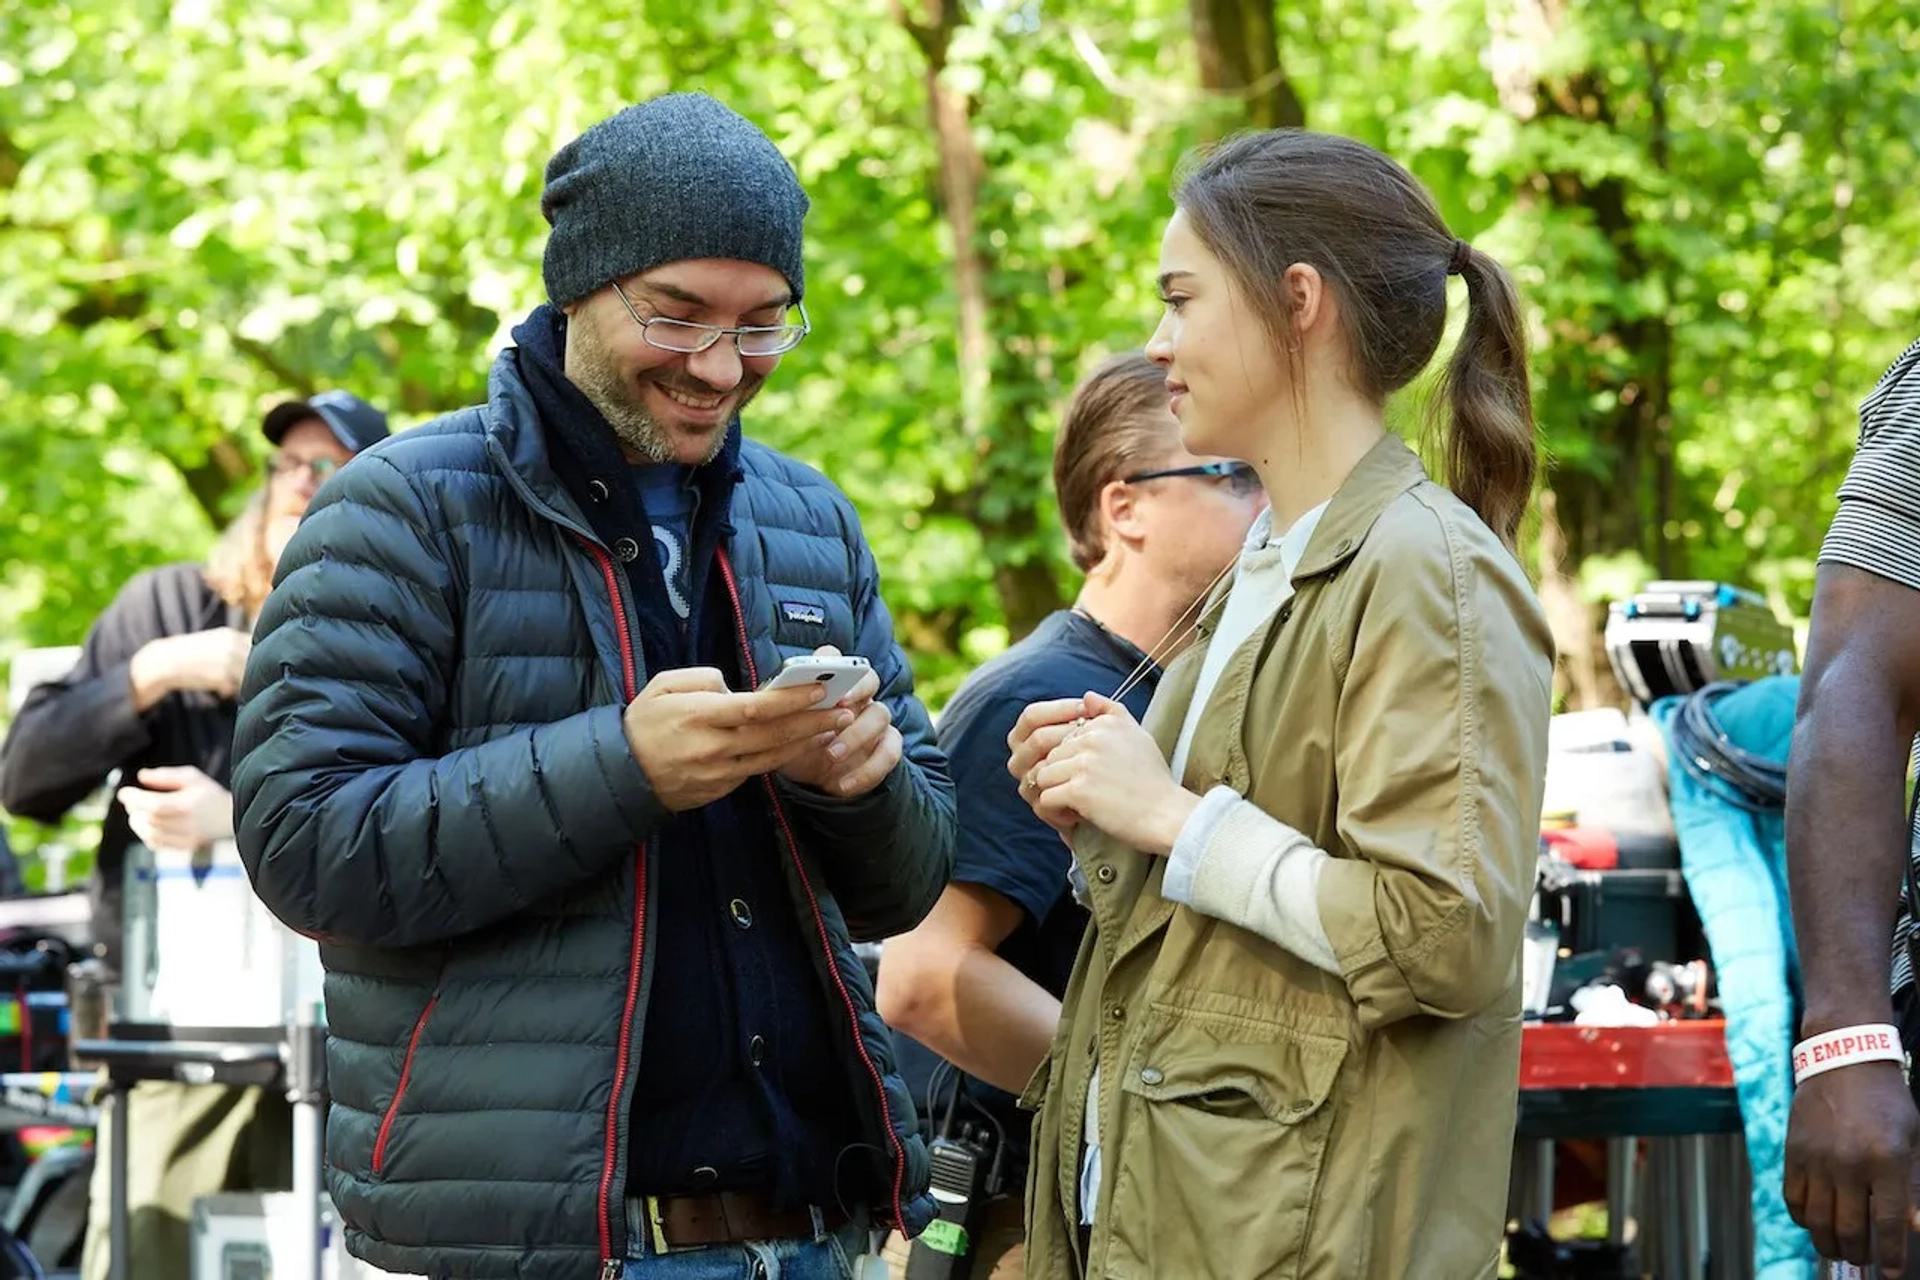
[(355, 424)]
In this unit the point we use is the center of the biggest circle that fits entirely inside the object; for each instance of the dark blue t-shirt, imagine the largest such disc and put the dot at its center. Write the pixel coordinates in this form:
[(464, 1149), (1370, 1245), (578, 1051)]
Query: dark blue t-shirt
[(739, 1084), (668, 493), (1002, 846)]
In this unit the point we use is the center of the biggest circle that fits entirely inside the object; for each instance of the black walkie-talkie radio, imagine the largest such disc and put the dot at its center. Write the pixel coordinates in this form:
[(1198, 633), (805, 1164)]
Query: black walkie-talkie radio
[(961, 1167)]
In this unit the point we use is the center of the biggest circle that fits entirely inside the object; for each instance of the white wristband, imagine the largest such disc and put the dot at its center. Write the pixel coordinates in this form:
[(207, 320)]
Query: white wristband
[(1877, 1042)]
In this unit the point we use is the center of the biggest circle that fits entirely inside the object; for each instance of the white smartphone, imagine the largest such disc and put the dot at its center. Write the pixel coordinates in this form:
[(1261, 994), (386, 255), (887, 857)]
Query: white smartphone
[(838, 675)]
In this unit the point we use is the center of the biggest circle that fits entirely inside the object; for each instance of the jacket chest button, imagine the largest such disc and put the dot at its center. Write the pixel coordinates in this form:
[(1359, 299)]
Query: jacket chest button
[(1116, 1012), (627, 549), (742, 914), (1104, 873), (757, 1050), (1151, 1075), (598, 491)]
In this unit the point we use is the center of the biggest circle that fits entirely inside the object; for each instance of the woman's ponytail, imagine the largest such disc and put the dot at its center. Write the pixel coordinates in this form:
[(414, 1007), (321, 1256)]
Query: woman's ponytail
[(1491, 451)]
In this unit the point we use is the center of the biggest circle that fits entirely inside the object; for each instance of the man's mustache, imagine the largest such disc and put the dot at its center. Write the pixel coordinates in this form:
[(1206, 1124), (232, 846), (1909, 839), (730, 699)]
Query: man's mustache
[(694, 387)]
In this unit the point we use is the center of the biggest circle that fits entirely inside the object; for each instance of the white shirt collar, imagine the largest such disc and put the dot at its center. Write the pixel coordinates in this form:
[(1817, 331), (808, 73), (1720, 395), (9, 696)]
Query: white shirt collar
[(1293, 543)]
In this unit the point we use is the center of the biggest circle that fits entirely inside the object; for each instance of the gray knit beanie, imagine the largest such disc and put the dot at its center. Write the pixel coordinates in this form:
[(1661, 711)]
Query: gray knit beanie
[(673, 178)]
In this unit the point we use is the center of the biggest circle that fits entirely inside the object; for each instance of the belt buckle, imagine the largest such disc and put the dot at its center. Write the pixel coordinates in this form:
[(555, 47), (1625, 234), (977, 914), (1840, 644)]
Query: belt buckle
[(657, 1227)]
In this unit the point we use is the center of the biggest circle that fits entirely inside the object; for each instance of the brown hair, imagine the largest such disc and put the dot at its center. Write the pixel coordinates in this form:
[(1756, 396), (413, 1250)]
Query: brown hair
[(1262, 202), (1116, 422), (238, 567)]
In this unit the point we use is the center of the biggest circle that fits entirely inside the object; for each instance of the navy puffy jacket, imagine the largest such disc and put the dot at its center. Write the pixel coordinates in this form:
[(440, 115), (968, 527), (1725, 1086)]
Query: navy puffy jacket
[(430, 776)]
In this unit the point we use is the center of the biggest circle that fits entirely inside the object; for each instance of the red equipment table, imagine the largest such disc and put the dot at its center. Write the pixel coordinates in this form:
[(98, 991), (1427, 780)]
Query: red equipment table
[(1672, 1055), (1671, 1084)]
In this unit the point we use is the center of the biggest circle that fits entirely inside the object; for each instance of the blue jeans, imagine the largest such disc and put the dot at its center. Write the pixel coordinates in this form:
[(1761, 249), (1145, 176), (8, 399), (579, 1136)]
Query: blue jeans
[(828, 1256)]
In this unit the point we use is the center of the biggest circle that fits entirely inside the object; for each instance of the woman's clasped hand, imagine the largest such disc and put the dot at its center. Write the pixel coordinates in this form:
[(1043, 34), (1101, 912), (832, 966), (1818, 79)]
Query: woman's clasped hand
[(1088, 760)]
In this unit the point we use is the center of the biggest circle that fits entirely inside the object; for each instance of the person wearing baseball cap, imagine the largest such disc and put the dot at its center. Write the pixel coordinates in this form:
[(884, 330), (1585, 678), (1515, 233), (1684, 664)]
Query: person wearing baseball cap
[(590, 891), (313, 438), (354, 423), (153, 697)]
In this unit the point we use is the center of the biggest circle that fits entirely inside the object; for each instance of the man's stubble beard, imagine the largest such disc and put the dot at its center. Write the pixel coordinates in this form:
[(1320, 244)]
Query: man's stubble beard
[(639, 433)]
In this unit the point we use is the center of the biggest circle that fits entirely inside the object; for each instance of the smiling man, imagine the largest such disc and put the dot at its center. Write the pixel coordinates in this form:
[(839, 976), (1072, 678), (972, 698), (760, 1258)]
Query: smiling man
[(587, 894)]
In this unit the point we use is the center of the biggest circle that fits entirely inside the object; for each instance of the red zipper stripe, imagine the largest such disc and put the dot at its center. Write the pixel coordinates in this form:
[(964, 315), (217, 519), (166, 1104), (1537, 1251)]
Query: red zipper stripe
[(400, 1090), (819, 923), (639, 925)]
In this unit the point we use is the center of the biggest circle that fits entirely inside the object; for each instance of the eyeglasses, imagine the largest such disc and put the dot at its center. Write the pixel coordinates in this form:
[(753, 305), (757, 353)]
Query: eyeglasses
[(687, 338), (1242, 480), (280, 465)]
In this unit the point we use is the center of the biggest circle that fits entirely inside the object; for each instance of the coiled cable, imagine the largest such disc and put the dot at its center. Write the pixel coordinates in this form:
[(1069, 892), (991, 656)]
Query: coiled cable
[(1733, 774)]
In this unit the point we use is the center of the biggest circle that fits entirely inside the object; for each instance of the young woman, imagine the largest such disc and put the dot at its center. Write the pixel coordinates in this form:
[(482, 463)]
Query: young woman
[(1292, 1046)]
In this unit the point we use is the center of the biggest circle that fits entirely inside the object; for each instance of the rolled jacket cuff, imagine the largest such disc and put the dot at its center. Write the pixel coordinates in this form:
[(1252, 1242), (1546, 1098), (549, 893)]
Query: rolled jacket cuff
[(1190, 847), (1347, 913)]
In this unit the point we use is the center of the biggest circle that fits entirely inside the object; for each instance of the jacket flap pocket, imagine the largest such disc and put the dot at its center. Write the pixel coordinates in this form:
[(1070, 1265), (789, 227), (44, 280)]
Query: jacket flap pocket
[(1185, 1055)]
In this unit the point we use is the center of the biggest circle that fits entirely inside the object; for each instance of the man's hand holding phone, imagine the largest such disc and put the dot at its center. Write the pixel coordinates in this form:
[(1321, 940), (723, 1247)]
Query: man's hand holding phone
[(859, 757), (696, 741)]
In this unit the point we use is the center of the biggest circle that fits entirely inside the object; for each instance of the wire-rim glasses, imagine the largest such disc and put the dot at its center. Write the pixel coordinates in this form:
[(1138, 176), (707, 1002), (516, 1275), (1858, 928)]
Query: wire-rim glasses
[(684, 337)]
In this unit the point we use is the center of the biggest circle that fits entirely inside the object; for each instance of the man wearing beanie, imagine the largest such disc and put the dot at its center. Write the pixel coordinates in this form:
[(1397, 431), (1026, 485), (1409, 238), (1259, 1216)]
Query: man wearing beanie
[(587, 894)]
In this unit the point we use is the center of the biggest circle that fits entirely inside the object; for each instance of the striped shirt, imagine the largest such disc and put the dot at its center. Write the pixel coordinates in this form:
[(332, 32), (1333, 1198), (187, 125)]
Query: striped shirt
[(1878, 529)]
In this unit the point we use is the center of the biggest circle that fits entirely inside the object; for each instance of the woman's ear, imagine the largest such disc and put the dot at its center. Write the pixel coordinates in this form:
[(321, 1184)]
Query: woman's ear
[(1312, 304)]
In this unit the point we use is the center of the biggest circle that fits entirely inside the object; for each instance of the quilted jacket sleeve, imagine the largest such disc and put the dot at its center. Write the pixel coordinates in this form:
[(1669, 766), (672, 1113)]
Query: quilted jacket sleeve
[(887, 854), (351, 827)]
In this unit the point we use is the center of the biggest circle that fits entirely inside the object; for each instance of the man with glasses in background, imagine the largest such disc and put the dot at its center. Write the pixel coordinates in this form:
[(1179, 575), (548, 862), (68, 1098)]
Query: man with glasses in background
[(587, 894), (979, 982), (152, 700)]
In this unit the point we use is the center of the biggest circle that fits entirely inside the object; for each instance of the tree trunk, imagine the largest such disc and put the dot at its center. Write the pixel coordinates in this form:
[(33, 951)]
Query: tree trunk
[(1001, 434), (1583, 676), (225, 469), (1622, 500), (1239, 48)]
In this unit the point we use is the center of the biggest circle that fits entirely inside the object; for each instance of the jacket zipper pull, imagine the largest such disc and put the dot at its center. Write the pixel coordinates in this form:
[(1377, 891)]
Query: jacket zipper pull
[(610, 1269)]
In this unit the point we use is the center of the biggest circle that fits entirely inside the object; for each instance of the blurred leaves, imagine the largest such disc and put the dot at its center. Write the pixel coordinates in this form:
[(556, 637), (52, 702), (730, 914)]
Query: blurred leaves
[(1708, 204)]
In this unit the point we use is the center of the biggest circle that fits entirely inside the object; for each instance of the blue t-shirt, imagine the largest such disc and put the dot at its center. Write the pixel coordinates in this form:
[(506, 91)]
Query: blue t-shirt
[(1002, 845), (669, 495)]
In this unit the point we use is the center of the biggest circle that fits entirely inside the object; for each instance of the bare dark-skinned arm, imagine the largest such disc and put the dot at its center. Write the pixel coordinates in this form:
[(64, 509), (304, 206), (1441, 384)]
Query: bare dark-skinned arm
[(1853, 1133), (943, 985), (1846, 829)]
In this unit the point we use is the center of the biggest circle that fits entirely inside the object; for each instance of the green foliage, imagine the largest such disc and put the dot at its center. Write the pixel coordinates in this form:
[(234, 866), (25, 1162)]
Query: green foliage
[(1706, 202)]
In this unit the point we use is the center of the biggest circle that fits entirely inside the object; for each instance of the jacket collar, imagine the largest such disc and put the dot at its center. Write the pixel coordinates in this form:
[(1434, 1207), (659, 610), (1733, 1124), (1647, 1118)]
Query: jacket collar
[(513, 426), (519, 440), (1388, 470)]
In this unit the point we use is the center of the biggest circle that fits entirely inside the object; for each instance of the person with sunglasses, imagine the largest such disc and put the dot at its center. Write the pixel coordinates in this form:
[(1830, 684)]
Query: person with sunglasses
[(1237, 478), (979, 982), (589, 892), (152, 699)]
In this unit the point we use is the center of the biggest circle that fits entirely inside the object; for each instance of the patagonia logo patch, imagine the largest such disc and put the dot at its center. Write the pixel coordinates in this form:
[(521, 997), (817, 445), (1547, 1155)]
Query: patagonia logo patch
[(809, 613)]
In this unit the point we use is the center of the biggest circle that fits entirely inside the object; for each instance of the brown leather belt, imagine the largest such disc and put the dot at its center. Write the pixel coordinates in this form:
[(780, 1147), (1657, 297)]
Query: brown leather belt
[(727, 1217)]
